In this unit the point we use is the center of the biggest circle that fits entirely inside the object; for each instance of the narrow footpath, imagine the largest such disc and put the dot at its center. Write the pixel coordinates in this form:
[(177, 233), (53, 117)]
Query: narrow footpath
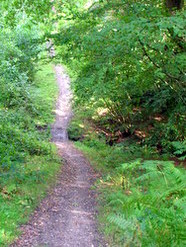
[(67, 216)]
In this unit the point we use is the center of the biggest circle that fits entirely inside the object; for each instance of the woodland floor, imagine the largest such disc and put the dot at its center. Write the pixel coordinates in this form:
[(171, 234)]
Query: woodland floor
[(67, 216)]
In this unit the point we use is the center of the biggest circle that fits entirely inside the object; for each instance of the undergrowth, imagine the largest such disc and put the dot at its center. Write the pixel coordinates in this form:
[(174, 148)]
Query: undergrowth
[(28, 162), (129, 104), (142, 194)]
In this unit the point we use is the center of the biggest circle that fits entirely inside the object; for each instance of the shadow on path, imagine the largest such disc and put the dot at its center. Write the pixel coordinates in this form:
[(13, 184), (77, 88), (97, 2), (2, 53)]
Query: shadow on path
[(67, 216)]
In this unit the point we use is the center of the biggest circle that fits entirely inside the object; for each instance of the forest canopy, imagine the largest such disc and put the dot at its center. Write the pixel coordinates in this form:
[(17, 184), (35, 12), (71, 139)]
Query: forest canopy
[(130, 62)]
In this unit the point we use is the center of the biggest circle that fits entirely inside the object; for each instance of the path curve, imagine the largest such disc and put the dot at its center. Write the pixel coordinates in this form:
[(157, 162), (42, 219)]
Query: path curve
[(67, 217)]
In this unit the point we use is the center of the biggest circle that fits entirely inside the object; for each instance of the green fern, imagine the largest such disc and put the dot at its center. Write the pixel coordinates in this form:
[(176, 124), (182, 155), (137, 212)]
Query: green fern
[(154, 210), (179, 149)]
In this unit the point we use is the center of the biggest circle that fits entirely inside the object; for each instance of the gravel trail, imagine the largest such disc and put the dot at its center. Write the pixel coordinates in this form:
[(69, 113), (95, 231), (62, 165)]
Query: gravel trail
[(67, 216)]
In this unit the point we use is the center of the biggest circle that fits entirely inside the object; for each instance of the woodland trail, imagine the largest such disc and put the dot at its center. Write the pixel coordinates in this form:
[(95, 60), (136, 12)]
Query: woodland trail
[(67, 216)]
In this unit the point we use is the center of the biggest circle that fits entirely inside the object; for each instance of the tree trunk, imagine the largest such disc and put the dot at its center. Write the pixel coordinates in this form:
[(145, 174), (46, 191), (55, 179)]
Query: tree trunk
[(178, 4)]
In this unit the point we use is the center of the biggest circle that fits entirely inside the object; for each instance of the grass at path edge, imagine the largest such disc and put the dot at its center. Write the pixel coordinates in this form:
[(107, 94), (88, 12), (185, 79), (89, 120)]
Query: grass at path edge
[(21, 192)]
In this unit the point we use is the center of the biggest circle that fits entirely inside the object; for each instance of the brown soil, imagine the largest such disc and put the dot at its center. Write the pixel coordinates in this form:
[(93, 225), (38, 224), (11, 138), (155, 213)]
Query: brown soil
[(67, 216)]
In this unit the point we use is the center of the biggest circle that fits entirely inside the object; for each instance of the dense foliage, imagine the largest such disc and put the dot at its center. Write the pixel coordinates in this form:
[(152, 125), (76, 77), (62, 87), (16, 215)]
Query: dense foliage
[(127, 60), (26, 104), (19, 47), (153, 213), (128, 57), (142, 200), (35, 10)]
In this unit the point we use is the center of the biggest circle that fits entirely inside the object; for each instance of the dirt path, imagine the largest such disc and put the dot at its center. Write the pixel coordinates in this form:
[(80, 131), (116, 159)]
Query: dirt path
[(67, 217)]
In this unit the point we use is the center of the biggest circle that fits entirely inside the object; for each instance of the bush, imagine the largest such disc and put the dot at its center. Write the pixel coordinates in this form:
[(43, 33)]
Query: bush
[(128, 58)]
